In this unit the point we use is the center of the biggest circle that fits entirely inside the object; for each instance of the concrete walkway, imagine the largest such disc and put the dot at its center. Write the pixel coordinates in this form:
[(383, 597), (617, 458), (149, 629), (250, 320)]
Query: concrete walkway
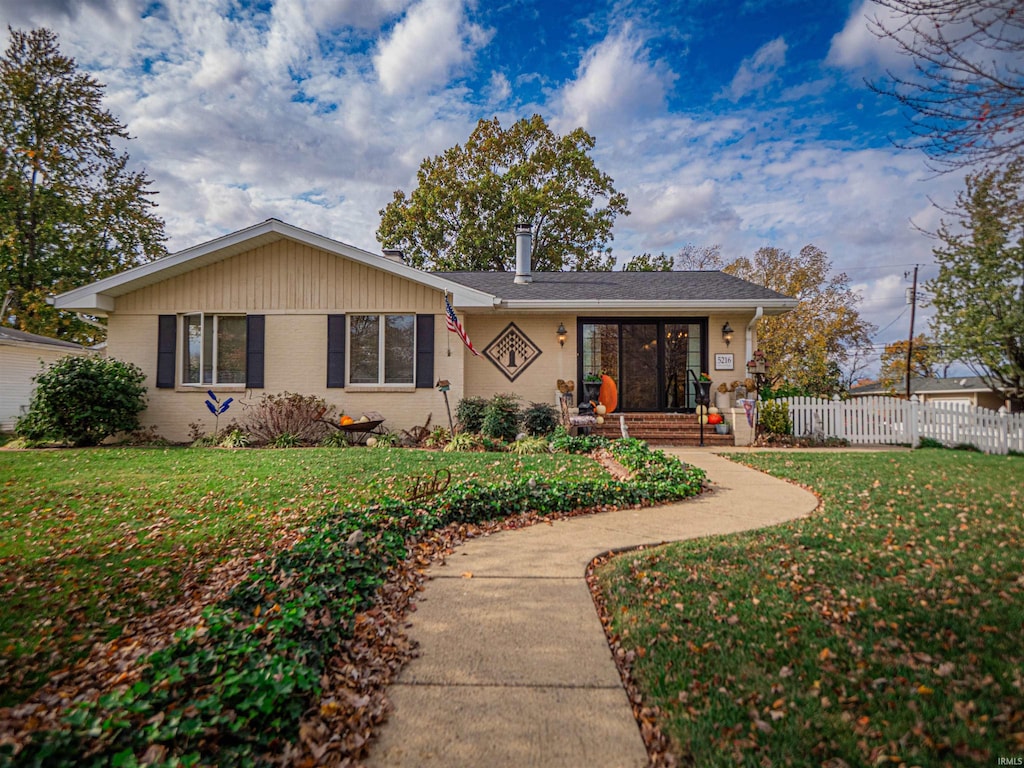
[(514, 668)]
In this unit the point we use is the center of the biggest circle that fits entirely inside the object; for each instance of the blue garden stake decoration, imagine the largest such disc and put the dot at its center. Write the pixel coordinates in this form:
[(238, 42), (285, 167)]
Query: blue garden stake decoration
[(217, 408)]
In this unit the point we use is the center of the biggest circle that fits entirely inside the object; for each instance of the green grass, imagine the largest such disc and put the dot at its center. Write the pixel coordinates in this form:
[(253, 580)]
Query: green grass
[(90, 539), (888, 628)]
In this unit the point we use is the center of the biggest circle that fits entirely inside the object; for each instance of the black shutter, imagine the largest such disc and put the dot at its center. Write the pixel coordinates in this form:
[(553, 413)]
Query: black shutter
[(335, 350), (255, 327), (424, 351), (166, 350)]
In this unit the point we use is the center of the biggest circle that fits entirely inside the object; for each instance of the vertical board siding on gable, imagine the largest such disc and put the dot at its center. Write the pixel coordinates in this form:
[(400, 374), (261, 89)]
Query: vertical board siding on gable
[(283, 276)]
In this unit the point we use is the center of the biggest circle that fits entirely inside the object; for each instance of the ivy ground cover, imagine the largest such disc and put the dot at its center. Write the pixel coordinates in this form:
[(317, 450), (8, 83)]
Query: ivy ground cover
[(288, 666), (887, 628), (91, 539)]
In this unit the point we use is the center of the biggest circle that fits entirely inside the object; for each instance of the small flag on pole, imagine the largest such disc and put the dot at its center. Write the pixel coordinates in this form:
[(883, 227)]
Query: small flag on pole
[(456, 327)]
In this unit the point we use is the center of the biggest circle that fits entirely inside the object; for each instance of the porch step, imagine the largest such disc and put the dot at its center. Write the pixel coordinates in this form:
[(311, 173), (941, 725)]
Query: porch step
[(663, 429)]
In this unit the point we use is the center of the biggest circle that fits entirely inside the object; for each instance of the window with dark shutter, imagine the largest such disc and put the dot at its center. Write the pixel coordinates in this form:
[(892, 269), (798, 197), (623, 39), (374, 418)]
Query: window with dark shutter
[(166, 350), (335, 350), (254, 333), (424, 351)]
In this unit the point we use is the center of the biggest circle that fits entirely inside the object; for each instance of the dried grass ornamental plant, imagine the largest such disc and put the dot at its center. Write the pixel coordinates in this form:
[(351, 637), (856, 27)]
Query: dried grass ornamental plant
[(288, 419)]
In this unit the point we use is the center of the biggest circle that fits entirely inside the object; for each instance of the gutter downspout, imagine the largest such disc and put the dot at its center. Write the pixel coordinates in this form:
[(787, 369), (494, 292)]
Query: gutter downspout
[(750, 332)]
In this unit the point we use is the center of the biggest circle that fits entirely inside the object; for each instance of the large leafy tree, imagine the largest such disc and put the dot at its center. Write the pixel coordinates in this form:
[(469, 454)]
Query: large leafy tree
[(469, 199), (965, 97), (979, 291), (893, 373), (71, 210), (648, 262), (808, 346)]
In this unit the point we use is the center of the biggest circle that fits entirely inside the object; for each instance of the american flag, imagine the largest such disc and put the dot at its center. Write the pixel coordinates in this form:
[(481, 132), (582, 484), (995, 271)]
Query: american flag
[(456, 327)]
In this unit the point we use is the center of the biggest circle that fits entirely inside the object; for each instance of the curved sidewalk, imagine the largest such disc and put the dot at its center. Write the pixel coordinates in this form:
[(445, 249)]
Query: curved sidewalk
[(514, 667)]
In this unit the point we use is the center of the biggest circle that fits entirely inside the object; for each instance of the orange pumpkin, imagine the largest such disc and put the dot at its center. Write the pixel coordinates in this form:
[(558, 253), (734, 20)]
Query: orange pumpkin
[(715, 418), (346, 420), (608, 395)]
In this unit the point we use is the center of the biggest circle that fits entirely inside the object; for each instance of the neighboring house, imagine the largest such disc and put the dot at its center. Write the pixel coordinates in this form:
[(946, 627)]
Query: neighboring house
[(966, 390), (22, 357), (274, 308)]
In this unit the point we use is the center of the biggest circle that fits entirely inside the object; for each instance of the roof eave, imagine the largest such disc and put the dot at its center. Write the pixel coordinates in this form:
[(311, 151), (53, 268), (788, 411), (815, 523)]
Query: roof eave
[(770, 306)]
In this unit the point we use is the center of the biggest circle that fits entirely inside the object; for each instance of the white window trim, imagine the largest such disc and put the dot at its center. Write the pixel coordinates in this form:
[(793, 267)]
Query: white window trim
[(379, 385), (183, 327)]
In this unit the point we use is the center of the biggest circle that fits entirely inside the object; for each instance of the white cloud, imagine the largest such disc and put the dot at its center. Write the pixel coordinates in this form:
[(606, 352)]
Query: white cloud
[(758, 71), (427, 46), (857, 47), (616, 84)]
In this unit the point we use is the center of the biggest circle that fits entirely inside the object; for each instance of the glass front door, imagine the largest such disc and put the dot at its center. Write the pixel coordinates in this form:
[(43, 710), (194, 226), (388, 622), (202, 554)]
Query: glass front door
[(648, 359)]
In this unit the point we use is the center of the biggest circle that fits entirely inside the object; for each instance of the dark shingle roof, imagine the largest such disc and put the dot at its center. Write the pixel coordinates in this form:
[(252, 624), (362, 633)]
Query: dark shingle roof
[(928, 384), (620, 286), (11, 334)]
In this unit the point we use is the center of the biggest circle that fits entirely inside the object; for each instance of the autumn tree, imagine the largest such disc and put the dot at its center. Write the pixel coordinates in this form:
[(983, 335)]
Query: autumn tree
[(965, 98), (469, 199), (979, 291), (808, 346), (71, 211), (646, 262), (893, 373)]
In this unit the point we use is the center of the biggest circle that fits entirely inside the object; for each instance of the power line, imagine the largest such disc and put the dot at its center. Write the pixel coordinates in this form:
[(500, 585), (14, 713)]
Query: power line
[(901, 314)]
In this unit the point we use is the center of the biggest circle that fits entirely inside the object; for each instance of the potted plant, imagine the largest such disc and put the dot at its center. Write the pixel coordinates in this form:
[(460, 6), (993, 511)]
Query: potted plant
[(591, 387), (702, 389)]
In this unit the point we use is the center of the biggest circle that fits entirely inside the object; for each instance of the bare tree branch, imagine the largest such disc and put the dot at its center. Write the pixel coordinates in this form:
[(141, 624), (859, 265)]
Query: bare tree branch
[(964, 100)]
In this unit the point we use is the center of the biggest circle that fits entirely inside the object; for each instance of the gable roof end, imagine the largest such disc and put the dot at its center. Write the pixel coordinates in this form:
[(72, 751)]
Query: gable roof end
[(98, 297)]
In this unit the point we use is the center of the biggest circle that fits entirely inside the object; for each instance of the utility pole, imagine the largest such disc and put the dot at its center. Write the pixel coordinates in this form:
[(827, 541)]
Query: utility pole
[(910, 339)]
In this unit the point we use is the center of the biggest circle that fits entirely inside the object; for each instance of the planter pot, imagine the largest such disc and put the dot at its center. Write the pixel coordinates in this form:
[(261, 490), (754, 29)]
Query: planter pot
[(722, 429), (591, 390), (723, 401), (702, 392)]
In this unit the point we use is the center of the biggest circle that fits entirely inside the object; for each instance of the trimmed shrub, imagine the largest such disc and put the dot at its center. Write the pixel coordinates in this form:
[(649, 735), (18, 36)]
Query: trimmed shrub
[(502, 417), (470, 413), (84, 400), (774, 417), (540, 419)]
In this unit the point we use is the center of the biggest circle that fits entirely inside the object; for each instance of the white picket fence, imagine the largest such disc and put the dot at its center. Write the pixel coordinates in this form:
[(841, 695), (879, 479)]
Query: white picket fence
[(892, 421)]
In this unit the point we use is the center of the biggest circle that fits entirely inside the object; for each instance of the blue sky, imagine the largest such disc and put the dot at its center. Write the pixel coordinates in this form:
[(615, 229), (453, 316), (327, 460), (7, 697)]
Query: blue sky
[(738, 123)]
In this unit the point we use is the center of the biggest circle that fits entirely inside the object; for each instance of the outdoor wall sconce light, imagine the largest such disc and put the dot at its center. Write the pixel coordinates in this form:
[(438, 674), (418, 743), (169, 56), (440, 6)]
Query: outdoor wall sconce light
[(561, 334), (727, 333)]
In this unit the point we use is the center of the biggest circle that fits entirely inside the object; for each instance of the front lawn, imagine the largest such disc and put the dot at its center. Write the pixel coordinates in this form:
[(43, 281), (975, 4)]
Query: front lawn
[(90, 539), (886, 629)]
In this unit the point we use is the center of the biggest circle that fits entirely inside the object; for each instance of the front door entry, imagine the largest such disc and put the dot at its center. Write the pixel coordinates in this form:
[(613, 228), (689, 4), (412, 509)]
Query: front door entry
[(648, 358)]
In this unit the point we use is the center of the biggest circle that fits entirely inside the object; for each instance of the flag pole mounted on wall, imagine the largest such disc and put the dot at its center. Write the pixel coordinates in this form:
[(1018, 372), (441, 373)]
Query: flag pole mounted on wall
[(456, 327)]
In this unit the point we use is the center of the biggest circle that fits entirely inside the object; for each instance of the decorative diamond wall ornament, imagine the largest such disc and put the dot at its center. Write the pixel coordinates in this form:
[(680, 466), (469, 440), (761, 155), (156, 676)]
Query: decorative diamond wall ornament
[(512, 351)]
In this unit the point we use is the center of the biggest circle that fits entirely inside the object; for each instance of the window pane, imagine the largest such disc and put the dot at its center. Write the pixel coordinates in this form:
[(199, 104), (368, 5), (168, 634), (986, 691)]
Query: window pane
[(399, 344), (364, 349), (193, 349), (601, 349), (231, 350)]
